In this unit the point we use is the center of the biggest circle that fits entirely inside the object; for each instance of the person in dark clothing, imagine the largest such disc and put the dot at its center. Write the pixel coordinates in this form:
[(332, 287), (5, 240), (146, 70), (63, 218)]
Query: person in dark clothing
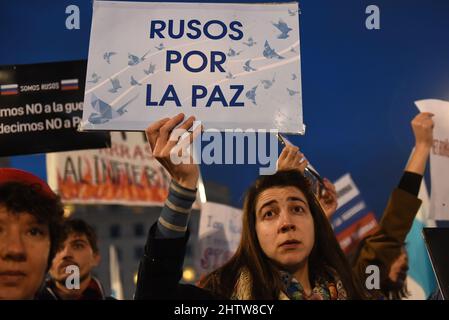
[(78, 249), (283, 228), (160, 271), (160, 268)]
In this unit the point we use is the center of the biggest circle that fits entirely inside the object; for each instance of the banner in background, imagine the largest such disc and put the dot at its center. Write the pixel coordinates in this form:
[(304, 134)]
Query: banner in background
[(439, 158), (218, 236), (41, 107), (353, 220), (126, 173), (231, 65)]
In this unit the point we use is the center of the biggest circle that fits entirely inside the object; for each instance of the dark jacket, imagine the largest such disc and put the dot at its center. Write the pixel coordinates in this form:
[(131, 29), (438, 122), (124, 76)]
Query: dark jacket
[(160, 271), (93, 292), (383, 247)]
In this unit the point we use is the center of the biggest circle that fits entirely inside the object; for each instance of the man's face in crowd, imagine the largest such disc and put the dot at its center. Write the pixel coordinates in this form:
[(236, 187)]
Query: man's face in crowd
[(76, 250), (24, 250)]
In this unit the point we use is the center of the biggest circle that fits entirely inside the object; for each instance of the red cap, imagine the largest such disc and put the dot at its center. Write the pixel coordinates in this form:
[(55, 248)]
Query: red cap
[(16, 175)]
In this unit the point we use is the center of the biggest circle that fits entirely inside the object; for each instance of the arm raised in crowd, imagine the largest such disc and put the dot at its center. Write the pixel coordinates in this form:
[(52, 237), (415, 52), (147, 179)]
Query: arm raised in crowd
[(384, 246), (422, 126), (164, 142), (160, 269), (401, 210)]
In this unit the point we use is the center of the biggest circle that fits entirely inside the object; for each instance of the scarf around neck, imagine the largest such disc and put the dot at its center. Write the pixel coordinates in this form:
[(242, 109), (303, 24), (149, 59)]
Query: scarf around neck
[(324, 289)]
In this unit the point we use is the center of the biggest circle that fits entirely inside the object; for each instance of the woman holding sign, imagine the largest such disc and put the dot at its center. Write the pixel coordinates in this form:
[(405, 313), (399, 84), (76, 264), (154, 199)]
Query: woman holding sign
[(288, 249)]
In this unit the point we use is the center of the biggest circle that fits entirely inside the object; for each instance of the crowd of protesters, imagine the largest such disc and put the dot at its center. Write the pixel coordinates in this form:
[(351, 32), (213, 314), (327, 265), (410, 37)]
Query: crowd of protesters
[(287, 250)]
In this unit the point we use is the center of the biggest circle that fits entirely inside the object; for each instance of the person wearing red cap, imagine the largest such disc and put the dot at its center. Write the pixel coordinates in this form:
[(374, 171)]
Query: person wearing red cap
[(31, 215)]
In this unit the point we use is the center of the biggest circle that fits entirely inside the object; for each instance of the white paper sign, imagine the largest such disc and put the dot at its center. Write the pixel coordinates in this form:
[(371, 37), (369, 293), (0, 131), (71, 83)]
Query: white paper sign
[(219, 235), (439, 157), (230, 65)]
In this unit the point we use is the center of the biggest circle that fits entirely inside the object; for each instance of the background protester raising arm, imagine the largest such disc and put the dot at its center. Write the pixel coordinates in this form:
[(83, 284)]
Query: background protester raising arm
[(385, 246)]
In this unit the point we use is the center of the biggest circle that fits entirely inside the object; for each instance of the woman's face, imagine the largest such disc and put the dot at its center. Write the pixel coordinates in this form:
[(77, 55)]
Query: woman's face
[(24, 250), (284, 226)]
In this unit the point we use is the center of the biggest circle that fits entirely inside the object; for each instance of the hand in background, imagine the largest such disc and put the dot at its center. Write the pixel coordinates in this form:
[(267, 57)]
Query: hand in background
[(422, 126)]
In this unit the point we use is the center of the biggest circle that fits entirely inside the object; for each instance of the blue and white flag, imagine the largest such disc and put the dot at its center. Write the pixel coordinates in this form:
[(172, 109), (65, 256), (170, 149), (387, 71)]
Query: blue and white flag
[(421, 282)]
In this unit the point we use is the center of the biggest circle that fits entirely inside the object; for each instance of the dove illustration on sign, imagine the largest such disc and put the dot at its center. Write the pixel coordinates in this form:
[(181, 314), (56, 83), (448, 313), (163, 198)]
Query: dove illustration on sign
[(250, 42), (269, 52), (160, 46), (233, 53), (107, 56), (115, 85), (134, 82), (251, 95), (230, 76), (247, 67), (105, 111), (283, 28), (292, 92), (133, 59), (150, 69), (268, 83), (94, 78), (292, 12)]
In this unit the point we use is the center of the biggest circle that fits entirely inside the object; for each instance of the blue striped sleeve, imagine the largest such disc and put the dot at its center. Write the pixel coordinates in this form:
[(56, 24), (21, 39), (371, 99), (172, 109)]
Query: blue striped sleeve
[(174, 218)]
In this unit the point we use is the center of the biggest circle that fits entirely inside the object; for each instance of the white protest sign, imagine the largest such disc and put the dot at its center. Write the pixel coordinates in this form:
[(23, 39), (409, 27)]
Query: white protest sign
[(219, 235), (230, 65), (439, 157)]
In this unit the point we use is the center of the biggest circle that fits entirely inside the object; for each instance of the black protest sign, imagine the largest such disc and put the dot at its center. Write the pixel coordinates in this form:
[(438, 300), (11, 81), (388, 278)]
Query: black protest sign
[(41, 106)]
